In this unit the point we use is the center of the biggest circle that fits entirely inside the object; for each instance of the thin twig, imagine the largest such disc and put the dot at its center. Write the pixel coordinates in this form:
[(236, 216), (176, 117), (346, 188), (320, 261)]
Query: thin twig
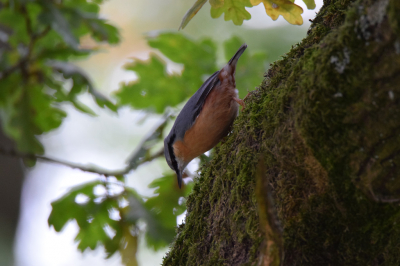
[(137, 158), (91, 168), (28, 58)]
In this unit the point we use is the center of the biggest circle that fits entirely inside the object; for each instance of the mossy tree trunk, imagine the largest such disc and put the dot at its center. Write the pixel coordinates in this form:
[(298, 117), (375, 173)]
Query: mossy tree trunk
[(326, 124)]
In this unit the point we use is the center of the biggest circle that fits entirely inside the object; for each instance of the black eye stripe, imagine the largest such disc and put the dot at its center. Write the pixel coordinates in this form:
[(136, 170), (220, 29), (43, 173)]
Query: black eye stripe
[(171, 152)]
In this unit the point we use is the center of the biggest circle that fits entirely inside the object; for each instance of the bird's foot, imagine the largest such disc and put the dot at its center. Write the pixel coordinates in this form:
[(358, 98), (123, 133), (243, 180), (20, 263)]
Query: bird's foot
[(248, 93), (241, 102)]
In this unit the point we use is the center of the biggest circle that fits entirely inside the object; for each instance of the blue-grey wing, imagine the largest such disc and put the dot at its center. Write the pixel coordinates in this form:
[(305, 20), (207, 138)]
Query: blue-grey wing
[(193, 107), (187, 117)]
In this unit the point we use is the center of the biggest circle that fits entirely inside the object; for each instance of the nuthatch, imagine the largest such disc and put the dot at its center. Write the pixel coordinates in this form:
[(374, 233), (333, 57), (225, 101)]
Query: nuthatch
[(205, 119)]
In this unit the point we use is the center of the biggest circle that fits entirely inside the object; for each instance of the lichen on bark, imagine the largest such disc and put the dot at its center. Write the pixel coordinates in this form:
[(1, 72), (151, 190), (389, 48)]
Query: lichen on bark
[(326, 120)]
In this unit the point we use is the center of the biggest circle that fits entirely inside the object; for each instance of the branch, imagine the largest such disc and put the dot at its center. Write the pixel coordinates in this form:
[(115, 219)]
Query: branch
[(138, 157), (28, 58), (91, 168)]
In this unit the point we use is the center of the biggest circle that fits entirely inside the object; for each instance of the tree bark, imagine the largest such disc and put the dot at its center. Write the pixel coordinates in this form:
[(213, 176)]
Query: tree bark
[(316, 152), (11, 179)]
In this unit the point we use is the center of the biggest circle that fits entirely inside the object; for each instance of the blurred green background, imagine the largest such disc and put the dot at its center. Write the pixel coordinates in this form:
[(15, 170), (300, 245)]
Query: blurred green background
[(109, 138)]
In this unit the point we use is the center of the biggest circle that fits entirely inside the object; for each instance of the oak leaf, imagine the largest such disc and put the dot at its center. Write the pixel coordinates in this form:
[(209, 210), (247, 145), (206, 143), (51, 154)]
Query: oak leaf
[(289, 11)]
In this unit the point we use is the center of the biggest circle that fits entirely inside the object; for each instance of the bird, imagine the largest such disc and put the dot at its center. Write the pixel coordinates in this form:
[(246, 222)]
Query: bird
[(205, 119)]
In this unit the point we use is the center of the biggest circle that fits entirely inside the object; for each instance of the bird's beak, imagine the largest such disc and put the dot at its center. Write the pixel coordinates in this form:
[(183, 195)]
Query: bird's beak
[(179, 175), (236, 57)]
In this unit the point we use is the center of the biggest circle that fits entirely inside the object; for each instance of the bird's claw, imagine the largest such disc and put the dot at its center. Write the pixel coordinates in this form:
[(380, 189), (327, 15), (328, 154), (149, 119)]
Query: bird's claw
[(240, 102)]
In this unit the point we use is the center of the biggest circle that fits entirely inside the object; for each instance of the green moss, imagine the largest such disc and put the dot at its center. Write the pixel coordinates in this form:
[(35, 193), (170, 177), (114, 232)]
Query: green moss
[(327, 121)]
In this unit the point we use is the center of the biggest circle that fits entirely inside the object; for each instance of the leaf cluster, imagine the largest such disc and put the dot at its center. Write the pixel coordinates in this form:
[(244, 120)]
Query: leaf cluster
[(235, 10), (156, 88), (110, 214), (36, 40)]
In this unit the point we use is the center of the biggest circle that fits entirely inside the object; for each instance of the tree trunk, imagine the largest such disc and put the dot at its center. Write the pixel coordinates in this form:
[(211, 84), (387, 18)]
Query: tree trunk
[(316, 152), (11, 178)]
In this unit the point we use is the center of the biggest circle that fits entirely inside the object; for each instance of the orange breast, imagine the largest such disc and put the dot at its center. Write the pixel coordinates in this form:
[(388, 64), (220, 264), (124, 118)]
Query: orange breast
[(213, 123)]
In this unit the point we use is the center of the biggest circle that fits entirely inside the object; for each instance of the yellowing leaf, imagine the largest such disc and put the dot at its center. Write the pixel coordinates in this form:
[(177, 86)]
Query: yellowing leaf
[(235, 10), (290, 11), (192, 12)]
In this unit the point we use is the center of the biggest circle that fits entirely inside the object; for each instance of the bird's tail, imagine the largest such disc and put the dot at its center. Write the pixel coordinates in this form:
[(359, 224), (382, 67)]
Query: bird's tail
[(239, 52)]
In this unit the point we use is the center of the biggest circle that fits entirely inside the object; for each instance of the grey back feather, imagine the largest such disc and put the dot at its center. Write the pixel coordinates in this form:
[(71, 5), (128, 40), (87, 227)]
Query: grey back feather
[(187, 117)]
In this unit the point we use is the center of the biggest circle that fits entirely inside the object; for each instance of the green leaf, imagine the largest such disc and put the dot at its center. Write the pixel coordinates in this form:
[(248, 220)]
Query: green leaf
[(136, 209), (85, 20), (72, 20), (82, 107), (217, 3), (157, 234), (66, 209), (33, 33), (91, 216), (54, 17), (104, 32), (197, 57), (102, 100), (116, 243), (26, 112), (17, 25), (165, 206), (192, 12), (81, 83), (45, 117), (234, 10), (92, 232), (129, 247), (157, 89), (84, 6), (310, 4), (33, 10), (217, 12), (166, 201)]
